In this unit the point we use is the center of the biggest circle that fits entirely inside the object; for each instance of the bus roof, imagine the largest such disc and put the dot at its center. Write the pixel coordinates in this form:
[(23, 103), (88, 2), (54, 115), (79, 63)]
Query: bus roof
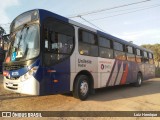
[(45, 13)]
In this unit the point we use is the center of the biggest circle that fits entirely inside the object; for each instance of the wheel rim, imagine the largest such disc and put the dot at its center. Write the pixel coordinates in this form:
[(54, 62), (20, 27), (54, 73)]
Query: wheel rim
[(83, 88), (140, 80)]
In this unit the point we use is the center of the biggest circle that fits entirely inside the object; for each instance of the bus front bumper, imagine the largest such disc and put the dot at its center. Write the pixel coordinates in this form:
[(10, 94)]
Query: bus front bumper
[(28, 86)]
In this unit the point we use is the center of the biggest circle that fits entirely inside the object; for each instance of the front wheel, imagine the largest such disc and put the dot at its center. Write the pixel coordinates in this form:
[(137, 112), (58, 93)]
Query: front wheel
[(138, 83), (81, 87)]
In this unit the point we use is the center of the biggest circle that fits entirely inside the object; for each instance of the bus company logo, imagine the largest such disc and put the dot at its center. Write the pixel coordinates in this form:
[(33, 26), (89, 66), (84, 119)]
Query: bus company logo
[(102, 66)]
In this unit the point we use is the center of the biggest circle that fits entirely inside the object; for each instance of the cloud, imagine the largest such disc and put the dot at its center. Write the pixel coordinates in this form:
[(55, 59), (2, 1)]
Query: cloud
[(3, 7), (151, 36)]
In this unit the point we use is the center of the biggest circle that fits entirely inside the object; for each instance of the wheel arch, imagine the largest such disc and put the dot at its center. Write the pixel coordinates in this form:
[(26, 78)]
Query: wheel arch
[(91, 79), (139, 72)]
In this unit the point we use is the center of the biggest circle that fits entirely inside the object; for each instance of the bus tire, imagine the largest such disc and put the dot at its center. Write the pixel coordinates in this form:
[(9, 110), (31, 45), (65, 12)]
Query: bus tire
[(81, 87), (138, 82)]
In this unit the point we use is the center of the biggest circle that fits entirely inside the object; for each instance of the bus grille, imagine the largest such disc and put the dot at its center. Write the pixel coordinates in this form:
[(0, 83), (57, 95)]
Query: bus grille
[(13, 67), (12, 78)]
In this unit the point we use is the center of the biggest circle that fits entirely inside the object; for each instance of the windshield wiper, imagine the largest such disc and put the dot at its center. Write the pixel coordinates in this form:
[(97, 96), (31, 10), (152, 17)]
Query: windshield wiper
[(22, 34)]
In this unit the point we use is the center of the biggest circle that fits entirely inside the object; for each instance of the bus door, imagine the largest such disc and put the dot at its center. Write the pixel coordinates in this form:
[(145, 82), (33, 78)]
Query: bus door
[(58, 47)]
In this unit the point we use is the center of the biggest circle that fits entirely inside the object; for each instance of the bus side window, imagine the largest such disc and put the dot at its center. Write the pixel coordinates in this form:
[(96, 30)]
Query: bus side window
[(145, 57), (130, 53), (119, 51), (151, 61), (88, 43), (105, 49), (138, 56), (46, 38), (54, 42)]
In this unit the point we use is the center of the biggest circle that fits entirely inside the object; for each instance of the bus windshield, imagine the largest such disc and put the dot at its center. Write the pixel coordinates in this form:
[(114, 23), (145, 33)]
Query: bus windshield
[(24, 44)]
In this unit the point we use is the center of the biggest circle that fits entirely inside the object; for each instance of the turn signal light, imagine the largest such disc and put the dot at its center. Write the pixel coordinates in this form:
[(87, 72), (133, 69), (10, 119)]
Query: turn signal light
[(55, 81), (50, 71), (5, 73)]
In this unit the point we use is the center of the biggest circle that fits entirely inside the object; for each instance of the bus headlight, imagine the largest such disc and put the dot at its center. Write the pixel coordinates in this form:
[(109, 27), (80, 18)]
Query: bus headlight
[(29, 74)]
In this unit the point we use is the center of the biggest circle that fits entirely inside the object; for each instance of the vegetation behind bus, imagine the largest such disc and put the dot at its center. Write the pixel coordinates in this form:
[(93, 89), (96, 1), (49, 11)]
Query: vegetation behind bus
[(3, 45)]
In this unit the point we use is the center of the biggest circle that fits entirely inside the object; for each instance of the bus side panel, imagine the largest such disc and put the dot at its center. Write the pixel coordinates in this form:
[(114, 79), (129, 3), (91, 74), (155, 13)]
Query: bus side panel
[(121, 73), (132, 72), (90, 64), (84, 63), (149, 71), (105, 67), (141, 68)]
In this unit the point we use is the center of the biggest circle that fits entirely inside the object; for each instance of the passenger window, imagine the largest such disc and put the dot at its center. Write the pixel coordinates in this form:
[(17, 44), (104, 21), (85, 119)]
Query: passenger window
[(105, 50), (130, 55), (150, 55), (119, 52), (103, 42), (88, 37), (138, 56), (151, 61), (88, 43), (145, 57), (138, 52), (145, 54), (118, 46), (129, 49), (61, 43)]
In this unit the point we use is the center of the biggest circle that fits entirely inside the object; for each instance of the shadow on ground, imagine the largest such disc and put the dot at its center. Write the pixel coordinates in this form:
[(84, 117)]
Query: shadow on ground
[(124, 91)]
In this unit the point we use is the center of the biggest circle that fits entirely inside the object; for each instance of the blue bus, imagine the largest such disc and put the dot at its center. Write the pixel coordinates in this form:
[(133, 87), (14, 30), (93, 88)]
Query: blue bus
[(50, 54)]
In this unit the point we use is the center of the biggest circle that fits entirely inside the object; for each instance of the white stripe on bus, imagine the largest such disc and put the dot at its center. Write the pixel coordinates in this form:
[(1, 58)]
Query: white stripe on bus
[(119, 74), (114, 75)]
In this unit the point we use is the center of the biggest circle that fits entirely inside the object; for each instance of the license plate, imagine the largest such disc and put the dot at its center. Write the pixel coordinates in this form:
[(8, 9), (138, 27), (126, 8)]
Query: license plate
[(10, 84)]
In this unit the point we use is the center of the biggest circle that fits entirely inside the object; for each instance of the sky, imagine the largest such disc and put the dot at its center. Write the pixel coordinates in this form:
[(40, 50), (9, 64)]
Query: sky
[(139, 23)]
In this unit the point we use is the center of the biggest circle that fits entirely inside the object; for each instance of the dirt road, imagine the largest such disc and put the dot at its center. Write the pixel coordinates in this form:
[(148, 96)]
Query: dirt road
[(119, 98)]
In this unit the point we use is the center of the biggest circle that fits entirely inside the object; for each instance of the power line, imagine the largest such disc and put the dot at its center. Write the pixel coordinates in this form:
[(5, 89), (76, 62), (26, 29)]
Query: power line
[(91, 23), (101, 10), (123, 13), (138, 8)]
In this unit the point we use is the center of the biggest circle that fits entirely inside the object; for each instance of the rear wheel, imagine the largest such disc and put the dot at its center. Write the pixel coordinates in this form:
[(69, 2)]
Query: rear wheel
[(138, 83), (81, 87)]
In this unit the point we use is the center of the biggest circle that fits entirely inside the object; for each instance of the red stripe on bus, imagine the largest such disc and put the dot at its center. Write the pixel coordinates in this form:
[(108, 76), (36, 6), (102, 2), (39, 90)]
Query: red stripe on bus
[(124, 76)]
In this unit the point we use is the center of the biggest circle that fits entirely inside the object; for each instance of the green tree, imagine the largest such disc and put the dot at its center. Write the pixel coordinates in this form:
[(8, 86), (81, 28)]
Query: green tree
[(3, 39), (2, 31)]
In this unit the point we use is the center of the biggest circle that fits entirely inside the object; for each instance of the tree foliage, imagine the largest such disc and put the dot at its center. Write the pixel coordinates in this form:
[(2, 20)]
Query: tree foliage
[(3, 35), (2, 31)]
